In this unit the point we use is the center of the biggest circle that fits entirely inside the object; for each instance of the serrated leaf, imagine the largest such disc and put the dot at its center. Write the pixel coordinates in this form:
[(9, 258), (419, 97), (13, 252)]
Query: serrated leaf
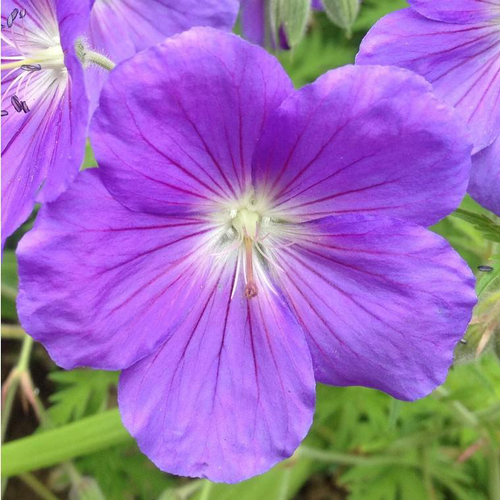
[(489, 228), (80, 393), (484, 330)]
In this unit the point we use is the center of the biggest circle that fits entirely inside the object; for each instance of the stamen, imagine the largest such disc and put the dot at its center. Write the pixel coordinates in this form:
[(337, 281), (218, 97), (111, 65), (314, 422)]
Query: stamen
[(25, 107), (250, 287), (4, 113), (12, 17), (22, 13), (31, 67), (485, 269), (16, 103), (463, 341)]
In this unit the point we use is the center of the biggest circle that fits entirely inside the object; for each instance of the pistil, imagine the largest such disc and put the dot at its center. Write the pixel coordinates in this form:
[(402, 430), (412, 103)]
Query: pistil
[(250, 287)]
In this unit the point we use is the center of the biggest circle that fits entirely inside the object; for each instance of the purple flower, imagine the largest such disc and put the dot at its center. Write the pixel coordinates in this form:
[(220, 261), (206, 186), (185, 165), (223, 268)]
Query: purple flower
[(120, 29), (241, 240), (456, 47), (44, 106)]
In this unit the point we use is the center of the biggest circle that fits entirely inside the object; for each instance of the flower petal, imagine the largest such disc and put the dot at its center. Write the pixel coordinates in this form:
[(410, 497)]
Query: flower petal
[(121, 29), (253, 20), (485, 179), (458, 11), (180, 121), (231, 392), (48, 143), (103, 286), (461, 61), (382, 301), (364, 139)]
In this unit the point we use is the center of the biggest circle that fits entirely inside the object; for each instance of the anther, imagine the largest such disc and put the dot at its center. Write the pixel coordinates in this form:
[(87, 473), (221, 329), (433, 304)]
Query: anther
[(463, 341), (16, 103), (22, 13), (4, 112), (12, 17), (31, 67), (485, 269), (25, 107)]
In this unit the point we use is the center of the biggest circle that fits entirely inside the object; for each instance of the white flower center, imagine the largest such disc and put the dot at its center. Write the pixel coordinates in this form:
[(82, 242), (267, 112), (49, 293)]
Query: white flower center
[(246, 222), (33, 55)]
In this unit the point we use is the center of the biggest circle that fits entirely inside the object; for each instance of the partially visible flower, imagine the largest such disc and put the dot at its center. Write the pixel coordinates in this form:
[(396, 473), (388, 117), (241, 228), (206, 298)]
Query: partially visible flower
[(485, 179), (44, 106), (456, 47), (241, 240), (120, 29)]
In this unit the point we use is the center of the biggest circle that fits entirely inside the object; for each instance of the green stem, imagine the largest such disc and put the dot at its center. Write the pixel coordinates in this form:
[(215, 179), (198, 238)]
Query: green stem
[(13, 332), (9, 292), (494, 464), (346, 459), (467, 417), (99, 59), (284, 490), (205, 491), (40, 489), (13, 384)]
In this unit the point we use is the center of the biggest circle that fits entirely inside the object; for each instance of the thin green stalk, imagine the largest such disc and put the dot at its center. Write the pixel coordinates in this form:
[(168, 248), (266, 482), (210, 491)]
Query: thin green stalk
[(467, 417), (346, 459), (494, 465), (9, 292), (13, 332), (40, 489), (14, 380), (205, 491), (284, 490)]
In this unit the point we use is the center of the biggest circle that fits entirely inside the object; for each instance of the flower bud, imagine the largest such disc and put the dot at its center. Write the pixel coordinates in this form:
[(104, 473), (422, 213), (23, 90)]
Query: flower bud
[(343, 13)]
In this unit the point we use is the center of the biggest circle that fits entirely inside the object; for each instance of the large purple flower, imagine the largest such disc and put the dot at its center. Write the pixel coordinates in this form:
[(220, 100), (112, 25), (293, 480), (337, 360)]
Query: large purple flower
[(241, 240), (456, 47), (44, 106)]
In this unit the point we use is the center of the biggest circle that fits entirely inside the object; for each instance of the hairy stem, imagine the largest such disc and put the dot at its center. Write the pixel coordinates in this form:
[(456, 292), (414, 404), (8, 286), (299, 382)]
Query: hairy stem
[(99, 59)]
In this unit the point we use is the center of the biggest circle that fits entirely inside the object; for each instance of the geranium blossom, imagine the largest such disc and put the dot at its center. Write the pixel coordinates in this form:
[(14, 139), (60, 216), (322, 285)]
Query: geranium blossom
[(44, 106), (242, 240), (456, 47)]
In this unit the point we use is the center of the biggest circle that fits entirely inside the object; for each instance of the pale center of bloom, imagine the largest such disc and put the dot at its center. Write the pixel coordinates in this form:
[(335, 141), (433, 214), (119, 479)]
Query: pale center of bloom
[(34, 56)]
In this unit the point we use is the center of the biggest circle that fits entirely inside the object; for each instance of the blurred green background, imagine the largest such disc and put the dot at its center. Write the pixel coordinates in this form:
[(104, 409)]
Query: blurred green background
[(363, 445)]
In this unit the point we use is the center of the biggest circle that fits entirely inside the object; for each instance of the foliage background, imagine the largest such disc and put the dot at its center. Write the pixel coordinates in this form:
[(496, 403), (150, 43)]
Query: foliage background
[(364, 445)]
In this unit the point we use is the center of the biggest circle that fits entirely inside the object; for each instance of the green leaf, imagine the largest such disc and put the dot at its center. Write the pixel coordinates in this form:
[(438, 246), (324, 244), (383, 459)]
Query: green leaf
[(89, 160), (373, 10), (52, 447), (484, 330), (80, 393), (9, 285), (489, 228), (294, 472)]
